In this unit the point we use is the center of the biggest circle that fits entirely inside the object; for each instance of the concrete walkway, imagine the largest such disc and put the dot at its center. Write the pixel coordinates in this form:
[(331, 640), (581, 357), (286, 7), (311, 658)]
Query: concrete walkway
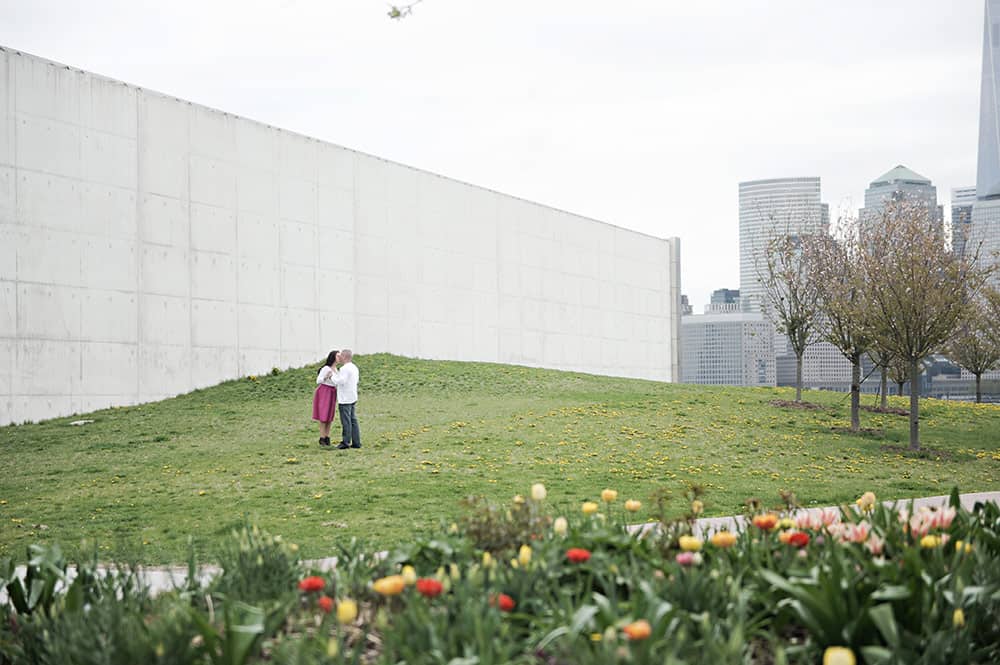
[(165, 579)]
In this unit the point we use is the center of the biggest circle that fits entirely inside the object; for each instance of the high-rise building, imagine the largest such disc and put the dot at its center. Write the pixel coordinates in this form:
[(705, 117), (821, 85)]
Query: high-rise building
[(773, 208), (962, 199), (986, 210), (725, 296), (686, 309), (898, 184), (729, 349), (770, 209)]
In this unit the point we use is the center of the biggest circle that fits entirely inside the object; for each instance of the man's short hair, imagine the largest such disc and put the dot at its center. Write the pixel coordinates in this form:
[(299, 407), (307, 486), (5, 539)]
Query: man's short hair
[(346, 353)]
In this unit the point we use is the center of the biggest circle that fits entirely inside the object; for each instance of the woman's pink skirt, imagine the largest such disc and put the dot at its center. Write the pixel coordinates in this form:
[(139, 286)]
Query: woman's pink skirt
[(324, 403)]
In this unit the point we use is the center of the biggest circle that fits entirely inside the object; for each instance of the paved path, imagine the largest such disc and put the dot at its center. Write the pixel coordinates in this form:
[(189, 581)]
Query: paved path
[(165, 579)]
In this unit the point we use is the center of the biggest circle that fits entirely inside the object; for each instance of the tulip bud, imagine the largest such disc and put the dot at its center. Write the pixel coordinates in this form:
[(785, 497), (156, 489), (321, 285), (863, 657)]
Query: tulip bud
[(559, 526), (538, 492)]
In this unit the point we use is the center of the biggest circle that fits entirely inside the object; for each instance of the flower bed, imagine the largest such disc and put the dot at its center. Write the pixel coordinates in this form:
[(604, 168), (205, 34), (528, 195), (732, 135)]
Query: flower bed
[(524, 584)]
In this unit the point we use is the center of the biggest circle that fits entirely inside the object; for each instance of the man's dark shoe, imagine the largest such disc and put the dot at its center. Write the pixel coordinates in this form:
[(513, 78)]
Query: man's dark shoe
[(325, 442), (355, 445), (343, 446)]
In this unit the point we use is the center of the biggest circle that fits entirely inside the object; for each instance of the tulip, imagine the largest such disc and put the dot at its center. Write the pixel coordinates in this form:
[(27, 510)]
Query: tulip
[(638, 630), (429, 587), (607, 496), (786, 523), (838, 656), (560, 526), (577, 555), (518, 499), (589, 507), (799, 539), (325, 603), (314, 583), (538, 492), (392, 585), (347, 611), (689, 543), (930, 541), (502, 601), (958, 618), (867, 502), (409, 575), (524, 555), (962, 546), (724, 539), (685, 558), (332, 647), (488, 560), (633, 506), (765, 522), (697, 507)]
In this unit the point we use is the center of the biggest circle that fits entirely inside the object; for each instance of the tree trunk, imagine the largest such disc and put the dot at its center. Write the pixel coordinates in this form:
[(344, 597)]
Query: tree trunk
[(899, 389), (885, 389), (798, 377), (855, 392), (979, 389), (914, 404)]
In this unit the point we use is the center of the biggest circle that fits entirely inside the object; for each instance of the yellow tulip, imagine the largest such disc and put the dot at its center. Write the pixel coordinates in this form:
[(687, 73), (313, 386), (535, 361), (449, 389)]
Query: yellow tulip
[(538, 492), (487, 560), (962, 546), (866, 502), (689, 543), (332, 647), (697, 507), (930, 541), (589, 507), (524, 555), (347, 611), (607, 496), (633, 506), (724, 539), (409, 575), (838, 656), (958, 618), (392, 585)]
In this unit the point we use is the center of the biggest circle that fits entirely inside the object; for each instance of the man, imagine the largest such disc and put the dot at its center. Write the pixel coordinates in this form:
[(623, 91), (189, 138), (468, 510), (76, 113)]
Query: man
[(346, 381)]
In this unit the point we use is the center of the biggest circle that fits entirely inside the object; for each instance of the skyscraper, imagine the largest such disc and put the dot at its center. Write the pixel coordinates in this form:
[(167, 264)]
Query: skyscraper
[(769, 209), (773, 208), (962, 199), (986, 210), (900, 183)]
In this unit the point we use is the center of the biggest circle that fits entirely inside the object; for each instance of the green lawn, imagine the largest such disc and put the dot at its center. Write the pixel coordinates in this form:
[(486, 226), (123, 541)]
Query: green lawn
[(140, 479)]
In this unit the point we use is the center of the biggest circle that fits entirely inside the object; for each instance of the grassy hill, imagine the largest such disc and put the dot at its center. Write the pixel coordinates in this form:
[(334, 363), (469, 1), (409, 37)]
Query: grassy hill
[(140, 479)]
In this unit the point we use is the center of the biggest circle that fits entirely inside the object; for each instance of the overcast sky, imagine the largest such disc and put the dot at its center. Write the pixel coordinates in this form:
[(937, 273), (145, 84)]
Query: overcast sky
[(645, 114)]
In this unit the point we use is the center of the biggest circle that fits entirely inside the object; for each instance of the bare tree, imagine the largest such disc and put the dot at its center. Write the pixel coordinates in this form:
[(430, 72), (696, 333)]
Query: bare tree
[(790, 296), (898, 372), (835, 265), (919, 290), (975, 346), (881, 359)]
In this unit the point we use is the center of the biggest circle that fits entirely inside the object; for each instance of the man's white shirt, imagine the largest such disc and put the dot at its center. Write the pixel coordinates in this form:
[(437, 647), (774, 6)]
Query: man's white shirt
[(345, 380)]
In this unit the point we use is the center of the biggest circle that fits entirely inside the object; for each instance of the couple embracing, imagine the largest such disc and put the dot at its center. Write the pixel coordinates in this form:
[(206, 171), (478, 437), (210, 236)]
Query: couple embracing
[(334, 383)]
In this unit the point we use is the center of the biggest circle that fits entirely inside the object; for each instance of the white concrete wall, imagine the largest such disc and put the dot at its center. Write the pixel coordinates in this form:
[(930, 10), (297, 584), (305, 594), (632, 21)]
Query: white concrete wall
[(149, 246)]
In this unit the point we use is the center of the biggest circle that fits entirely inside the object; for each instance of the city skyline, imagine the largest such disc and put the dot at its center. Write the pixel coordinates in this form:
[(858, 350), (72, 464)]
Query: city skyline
[(625, 114)]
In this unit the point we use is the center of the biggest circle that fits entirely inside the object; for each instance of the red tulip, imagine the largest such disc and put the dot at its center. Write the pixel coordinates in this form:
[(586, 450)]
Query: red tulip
[(799, 539), (325, 603), (429, 587), (313, 583), (578, 555), (503, 601)]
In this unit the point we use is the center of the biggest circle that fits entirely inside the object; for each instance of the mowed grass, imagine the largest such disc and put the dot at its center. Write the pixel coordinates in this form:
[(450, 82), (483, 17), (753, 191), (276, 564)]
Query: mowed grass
[(140, 480)]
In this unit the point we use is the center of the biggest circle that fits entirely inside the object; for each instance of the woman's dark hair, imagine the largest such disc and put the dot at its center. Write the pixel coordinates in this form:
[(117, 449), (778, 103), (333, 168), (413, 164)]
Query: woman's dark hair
[(330, 360)]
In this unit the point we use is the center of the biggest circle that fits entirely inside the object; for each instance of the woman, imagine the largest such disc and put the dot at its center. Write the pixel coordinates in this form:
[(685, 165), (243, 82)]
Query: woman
[(325, 398)]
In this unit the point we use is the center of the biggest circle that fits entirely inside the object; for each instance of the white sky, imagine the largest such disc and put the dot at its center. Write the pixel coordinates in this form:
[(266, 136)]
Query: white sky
[(645, 114)]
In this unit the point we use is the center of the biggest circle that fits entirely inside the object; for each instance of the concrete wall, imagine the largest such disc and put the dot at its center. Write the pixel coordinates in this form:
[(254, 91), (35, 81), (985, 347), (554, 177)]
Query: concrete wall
[(149, 246)]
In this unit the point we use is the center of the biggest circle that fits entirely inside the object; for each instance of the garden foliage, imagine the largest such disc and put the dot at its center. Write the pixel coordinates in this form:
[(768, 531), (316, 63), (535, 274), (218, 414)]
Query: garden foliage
[(523, 583)]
